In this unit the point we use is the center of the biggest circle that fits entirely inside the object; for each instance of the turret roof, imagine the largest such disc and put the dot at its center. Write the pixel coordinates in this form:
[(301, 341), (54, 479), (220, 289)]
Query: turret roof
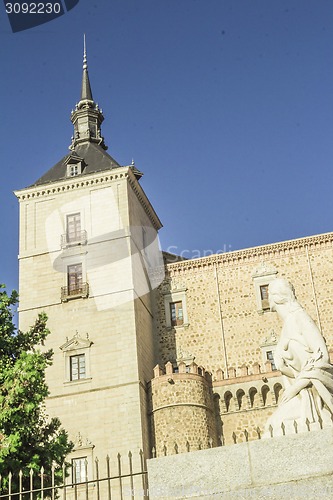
[(93, 157)]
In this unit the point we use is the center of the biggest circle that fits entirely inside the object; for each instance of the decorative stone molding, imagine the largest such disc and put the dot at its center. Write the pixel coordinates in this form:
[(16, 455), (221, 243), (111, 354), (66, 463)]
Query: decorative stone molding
[(82, 443), (185, 357), (84, 180), (273, 250), (76, 342), (264, 269), (74, 346)]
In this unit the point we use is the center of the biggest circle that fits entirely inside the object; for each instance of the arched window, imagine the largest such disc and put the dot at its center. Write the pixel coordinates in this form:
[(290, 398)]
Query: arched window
[(277, 390), (253, 393), (240, 394), (265, 392), (227, 399)]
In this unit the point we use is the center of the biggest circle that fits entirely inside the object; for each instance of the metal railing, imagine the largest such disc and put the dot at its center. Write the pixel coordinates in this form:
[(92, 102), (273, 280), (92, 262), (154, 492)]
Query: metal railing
[(74, 292), (80, 238), (125, 482)]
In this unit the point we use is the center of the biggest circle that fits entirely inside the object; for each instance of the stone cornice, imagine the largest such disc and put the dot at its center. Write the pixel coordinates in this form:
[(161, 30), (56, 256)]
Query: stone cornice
[(97, 178), (72, 183), (255, 253), (142, 197)]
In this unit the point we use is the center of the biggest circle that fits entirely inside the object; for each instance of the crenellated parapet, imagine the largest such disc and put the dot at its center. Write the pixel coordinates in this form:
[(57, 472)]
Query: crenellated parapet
[(247, 387), (245, 372), (182, 408)]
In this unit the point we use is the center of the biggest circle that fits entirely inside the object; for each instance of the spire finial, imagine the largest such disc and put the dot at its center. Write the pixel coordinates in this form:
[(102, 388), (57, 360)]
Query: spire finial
[(85, 66), (87, 117)]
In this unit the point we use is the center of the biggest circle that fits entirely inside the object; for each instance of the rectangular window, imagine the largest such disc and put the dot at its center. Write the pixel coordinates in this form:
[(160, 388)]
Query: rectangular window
[(264, 297), (176, 313), (73, 170), (74, 279), (73, 228), (79, 467), (270, 357), (77, 367)]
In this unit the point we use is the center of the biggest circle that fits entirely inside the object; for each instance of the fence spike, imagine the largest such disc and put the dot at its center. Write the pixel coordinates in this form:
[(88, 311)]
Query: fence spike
[(295, 426), (307, 423), (20, 474), (320, 420), (258, 431), (130, 463), (176, 448), (200, 445), (10, 476), (270, 428), (283, 427), (246, 434), (165, 450), (108, 472), (234, 437), (187, 446), (53, 480)]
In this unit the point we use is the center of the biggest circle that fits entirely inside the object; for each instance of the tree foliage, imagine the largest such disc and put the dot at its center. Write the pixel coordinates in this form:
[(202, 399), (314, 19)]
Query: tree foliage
[(28, 438)]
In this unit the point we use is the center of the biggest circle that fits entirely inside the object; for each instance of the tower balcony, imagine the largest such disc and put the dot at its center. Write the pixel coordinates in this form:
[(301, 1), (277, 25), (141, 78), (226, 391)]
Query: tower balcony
[(79, 291), (69, 240)]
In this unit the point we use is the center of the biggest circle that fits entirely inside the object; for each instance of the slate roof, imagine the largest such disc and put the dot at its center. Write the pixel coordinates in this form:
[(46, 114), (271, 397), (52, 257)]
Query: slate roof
[(95, 159)]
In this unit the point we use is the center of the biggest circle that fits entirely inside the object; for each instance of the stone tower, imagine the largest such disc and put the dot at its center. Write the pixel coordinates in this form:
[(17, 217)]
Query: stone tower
[(88, 244)]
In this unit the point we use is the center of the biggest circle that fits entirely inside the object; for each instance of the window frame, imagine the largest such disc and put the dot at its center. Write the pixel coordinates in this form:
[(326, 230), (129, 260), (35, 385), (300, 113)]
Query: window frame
[(177, 295), (176, 318), (76, 346), (74, 169), (262, 277), (271, 350), (78, 357), (78, 279), (76, 221), (83, 461)]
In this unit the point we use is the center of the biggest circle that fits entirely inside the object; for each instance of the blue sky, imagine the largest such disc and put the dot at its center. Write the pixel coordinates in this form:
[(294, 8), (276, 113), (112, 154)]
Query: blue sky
[(225, 105)]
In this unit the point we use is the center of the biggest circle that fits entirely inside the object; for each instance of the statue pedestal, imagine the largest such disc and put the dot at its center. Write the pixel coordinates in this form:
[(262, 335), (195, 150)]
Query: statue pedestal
[(291, 466)]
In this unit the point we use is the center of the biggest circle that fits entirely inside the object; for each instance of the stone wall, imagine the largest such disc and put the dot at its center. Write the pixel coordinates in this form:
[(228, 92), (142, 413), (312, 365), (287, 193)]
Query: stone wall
[(227, 332), (224, 328), (183, 415)]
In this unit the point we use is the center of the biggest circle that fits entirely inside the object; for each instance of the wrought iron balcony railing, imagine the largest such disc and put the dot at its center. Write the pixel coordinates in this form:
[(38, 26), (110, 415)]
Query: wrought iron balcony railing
[(68, 240), (74, 292)]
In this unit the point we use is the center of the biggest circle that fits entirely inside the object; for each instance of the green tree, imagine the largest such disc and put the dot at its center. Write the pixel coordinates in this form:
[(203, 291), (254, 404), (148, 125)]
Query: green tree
[(29, 439)]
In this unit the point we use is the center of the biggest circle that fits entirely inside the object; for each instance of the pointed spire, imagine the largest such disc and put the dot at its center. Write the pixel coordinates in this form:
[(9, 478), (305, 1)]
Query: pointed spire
[(86, 93), (87, 116)]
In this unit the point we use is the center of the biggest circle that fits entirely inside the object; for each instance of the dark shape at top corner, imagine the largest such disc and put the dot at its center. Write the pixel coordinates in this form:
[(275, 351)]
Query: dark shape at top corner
[(70, 4)]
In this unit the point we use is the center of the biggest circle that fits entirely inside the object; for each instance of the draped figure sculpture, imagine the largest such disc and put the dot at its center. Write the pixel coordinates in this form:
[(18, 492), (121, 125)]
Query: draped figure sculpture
[(302, 357)]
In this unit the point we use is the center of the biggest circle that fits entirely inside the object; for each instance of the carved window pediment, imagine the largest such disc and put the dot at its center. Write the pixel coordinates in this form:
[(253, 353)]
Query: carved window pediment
[(76, 343)]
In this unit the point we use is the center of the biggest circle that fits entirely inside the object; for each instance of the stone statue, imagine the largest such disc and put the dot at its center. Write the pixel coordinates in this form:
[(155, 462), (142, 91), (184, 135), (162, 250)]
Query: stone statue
[(302, 357)]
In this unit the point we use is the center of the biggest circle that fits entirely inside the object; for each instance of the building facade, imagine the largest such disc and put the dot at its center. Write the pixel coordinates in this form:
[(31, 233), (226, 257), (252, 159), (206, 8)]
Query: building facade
[(151, 351)]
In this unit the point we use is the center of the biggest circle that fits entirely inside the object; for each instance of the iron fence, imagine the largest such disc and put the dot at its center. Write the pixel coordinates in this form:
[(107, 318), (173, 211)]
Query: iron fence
[(128, 480)]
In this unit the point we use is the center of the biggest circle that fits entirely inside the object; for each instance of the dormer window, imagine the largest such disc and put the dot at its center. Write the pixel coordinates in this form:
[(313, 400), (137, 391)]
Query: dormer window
[(75, 165), (74, 169)]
